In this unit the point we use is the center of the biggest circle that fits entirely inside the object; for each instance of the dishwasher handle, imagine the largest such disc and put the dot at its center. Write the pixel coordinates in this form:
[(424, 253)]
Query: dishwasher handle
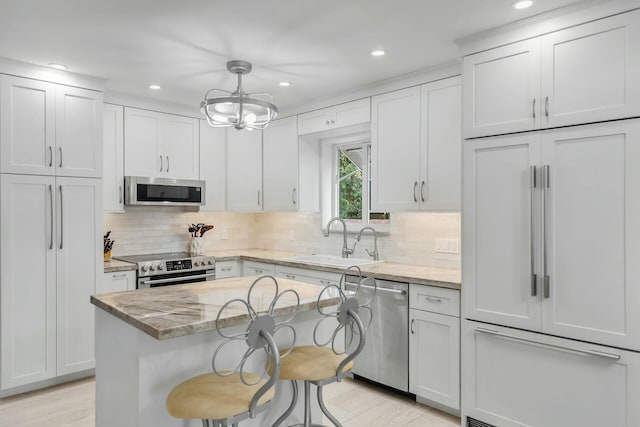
[(353, 287)]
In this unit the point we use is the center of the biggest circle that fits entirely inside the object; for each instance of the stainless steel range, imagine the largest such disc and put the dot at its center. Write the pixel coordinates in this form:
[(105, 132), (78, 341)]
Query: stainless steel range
[(172, 268)]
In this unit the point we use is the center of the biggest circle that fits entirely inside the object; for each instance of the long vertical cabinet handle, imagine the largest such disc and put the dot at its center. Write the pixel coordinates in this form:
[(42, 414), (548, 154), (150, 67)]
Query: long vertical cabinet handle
[(293, 195), (533, 109), (61, 218), (258, 197), (167, 163), (415, 188), (546, 107), (422, 191), (60, 151), (160, 163), (413, 321), (51, 218), (50, 156), (534, 277), (120, 199), (545, 256)]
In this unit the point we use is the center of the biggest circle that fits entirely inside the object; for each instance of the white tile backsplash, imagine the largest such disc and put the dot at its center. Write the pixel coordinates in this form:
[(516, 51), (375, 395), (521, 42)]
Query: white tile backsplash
[(411, 238)]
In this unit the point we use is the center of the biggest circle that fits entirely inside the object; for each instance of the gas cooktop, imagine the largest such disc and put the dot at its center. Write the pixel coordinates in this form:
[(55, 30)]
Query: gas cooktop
[(169, 263), (168, 256)]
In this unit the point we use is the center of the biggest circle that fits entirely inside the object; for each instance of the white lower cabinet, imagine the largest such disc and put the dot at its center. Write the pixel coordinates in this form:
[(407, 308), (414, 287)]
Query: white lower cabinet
[(118, 281), (517, 378), (50, 264), (254, 268), (434, 345), (322, 278), (226, 269)]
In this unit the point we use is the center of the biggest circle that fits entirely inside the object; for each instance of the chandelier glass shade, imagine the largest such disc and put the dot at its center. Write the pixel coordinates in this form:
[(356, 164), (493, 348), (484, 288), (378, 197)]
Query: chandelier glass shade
[(238, 109)]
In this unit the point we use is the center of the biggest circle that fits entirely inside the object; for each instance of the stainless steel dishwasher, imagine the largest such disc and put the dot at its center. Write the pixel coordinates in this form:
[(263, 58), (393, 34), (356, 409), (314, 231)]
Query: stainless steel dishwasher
[(385, 358)]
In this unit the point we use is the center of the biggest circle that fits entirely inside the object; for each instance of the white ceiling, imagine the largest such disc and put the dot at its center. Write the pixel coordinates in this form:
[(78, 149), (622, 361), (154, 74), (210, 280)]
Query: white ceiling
[(322, 47)]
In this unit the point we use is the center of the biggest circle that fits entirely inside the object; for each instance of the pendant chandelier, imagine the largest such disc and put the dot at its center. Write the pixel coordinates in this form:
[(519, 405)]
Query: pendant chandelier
[(238, 109)]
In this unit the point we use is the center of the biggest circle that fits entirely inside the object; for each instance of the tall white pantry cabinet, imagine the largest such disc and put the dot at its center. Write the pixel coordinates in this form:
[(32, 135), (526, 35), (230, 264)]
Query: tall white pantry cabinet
[(551, 231), (50, 228)]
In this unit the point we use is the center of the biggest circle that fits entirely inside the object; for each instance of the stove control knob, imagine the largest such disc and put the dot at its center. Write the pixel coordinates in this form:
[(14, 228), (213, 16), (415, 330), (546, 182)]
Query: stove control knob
[(196, 263), (152, 268), (160, 267), (144, 269), (210, 262)]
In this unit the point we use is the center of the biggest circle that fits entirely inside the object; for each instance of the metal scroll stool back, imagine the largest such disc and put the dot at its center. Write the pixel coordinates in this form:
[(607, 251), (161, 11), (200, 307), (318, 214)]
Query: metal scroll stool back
[(226, 397)]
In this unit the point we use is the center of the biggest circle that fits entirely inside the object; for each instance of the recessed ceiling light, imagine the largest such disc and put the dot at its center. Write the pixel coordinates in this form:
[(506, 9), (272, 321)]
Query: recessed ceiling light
[(285, 84), (378, 52), (154, 87), (58, 66), (522, 4)]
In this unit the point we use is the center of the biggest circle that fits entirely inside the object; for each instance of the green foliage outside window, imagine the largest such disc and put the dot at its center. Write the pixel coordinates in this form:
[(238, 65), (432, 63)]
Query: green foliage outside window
[(350, 188)]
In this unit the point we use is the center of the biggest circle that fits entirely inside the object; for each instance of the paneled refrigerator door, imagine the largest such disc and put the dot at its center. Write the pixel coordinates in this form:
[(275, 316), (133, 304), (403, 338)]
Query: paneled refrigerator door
[(79, 269), (592, 233), (27, 280), (500, 231)]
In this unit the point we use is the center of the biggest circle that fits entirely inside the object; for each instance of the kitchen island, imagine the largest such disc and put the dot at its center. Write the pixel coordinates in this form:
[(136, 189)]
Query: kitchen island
[(148, 341)]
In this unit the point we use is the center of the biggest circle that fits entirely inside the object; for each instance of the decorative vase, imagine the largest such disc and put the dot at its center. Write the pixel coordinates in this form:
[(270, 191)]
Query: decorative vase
[(107, 256), (197, 246)]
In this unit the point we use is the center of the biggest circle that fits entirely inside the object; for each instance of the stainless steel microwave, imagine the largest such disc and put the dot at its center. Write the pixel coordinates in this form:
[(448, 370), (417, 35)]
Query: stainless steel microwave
[(145, 191)]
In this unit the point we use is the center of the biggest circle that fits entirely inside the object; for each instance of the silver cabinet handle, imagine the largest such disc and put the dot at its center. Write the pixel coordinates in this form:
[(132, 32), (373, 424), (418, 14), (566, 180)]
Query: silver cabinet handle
[(258, 271), (434, 300), (258, 197), (327, 122), (167, 163), (415, 187), (120, 189), (534, 278), (545, 255), (422, 191), (325, 282), (560, 347), (546, 107), (50, 156), (61, 218), (533, 109), (225, 268), (51, 219), (161, 164), (290, 276), (293, 195), (413, 322), (60, 151), (333, 122), (115, 276)]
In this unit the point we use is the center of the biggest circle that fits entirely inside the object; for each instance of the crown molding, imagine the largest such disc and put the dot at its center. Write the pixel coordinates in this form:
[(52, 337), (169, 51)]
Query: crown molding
[(48, 74)]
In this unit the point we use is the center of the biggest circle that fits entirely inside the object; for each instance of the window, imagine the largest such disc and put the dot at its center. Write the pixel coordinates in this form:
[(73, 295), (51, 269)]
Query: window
[(353, 189)]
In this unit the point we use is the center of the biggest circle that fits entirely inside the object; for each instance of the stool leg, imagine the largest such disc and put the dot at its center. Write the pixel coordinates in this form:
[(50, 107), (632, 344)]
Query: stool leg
[(307, 404), (325, 410), (205, 423), (294, 399)]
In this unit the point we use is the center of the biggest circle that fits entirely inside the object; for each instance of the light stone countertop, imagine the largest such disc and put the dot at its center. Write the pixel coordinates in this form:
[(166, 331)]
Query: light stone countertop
[(115, 265), (418, 274), (174, 311)]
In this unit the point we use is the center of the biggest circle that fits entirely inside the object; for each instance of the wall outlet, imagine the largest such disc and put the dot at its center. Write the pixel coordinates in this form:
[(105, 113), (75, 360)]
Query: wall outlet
[(448, 246), (292, 235), (225, 233)]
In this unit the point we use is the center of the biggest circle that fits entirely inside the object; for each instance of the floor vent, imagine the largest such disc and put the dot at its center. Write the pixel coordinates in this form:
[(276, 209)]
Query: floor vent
[(475, 423)]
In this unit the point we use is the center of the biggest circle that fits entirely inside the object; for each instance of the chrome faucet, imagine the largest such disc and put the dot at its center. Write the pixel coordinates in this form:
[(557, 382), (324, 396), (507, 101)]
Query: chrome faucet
[(373, 254), (346, 251)]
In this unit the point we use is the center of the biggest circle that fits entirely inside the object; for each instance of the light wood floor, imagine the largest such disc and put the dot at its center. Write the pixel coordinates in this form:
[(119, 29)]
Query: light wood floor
[(354, 403)]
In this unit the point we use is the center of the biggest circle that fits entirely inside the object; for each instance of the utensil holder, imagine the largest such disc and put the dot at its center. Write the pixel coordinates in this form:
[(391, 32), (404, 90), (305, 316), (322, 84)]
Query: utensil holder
[(197, 246)]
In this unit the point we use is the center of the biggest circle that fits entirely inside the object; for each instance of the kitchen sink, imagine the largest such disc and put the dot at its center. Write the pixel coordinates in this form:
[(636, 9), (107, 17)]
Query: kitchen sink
[(332, 260)]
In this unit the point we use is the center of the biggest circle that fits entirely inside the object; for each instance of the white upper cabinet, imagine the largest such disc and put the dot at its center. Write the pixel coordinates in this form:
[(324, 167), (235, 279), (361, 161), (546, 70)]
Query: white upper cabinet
[(113, 149), (395, 150), (502, 89), (440, 145), (78, 132), (416, 145), (280, 162), (49, 129), (583, 74), (244, 170), (590, 72), (160, 145), (213, 166), (558, 257), (338, 116)]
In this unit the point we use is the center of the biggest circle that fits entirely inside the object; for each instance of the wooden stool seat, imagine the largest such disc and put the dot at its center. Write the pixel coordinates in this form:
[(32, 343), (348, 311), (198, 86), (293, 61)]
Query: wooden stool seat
[(311, 363), (210, 396)]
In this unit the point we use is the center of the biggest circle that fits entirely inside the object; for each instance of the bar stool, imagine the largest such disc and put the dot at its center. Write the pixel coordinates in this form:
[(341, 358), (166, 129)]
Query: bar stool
[(320, 365), (226, 397)]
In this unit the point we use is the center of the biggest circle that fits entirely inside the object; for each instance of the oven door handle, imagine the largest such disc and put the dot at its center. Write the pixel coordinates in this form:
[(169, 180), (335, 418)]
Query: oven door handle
[(353, 286), (177, 279)]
